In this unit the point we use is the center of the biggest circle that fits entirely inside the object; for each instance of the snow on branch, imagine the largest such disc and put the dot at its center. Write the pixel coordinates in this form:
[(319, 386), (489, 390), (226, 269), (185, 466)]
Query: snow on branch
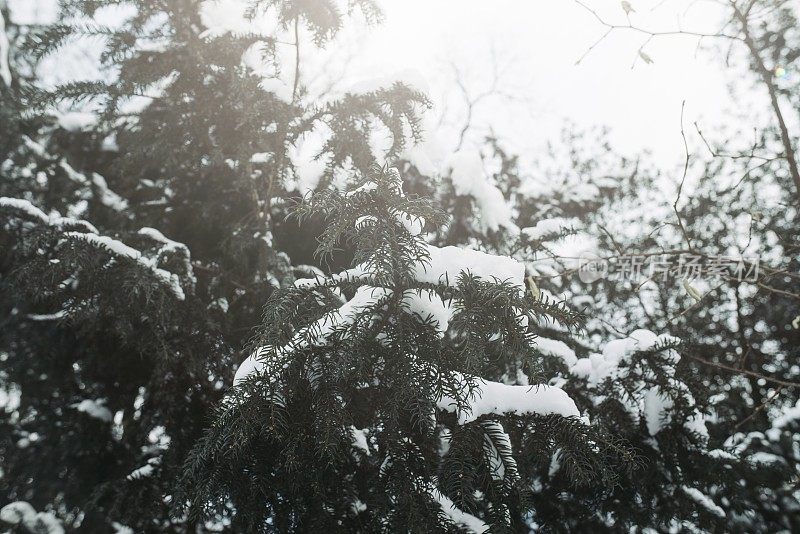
[(5, 70), (32, 212), (171, 247), (447, 263), (120, 249), (703, 500), (469, 179), (494, 398), (22, 514), (318, 333), (456, 515)]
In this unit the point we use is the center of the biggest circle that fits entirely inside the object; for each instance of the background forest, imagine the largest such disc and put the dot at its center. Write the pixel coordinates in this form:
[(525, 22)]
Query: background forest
[(244, 289)]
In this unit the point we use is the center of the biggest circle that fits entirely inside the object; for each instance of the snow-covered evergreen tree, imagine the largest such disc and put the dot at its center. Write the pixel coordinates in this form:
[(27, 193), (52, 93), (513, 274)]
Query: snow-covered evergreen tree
[(405, 393), (136, 223)]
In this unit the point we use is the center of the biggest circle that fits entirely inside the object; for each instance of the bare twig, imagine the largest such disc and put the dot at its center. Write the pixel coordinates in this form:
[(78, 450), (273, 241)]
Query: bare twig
[(778, 381), (683, 181), (766, 77), (760, 408)]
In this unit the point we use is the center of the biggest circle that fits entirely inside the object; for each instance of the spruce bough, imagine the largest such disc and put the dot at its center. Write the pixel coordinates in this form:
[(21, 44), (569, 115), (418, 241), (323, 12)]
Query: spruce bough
[(372, 399)]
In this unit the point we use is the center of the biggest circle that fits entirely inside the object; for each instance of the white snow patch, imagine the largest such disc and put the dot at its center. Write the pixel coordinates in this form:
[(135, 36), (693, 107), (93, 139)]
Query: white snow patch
[(447, 263), (500, 399), (411, 223), (359, 437), (557, 349), (146, 470), (656, 410), (547, 227), (469, 179), (318, 333), (95, 408), (428, 305), (77, 121), (762, 457), (703, 500), (119, 248), (458, 516), (21, 513), (119, 528), (108, 197), (597, 367), (5, 70), (365, 188), (279, 88), (54, 219)]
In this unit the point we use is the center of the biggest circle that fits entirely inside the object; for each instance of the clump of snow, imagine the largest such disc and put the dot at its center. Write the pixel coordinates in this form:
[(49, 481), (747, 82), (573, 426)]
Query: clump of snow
[(557, 349), (119, 248), (652, 403), (365, 188), (277, 87), (547, 227), (358, 506), (320, 332), (95, 408), (443, 265), (146, 470), (21, 513), (174, 247), (656, 410), (597, 367), (355, 274), (260, 157), (762, 457), (250, 366), (101, 191), (5, 70), (119, 528), (106, 196), (703, 500), (500, 399), (447, 263), (411, 223), (469, 179), (53, 219), (456, 515), (787, 417), (24, 206), (359, 437), (77, 121), (428, 305)]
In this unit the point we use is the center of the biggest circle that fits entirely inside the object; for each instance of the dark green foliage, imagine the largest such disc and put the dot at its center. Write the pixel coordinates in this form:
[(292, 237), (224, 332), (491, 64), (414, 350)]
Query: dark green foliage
[(285, 433), (151, 331)]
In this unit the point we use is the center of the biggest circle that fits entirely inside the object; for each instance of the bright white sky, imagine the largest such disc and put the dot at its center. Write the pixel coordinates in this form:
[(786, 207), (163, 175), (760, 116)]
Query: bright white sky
[(540, 41), (535, 44)]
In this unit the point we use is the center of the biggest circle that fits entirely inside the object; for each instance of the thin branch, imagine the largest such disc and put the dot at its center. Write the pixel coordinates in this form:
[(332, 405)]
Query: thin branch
[(766, 76), (296, 58), (760, 408), (683, 180), (650, 33), (778, 381)]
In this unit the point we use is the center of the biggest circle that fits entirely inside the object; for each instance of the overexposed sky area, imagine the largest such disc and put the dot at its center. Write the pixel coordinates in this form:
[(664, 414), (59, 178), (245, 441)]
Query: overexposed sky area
[(533, 47), (537, 44)]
